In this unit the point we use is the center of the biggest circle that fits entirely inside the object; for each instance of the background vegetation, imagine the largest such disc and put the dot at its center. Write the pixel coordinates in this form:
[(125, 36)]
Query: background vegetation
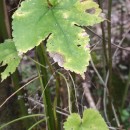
[(106, 84)]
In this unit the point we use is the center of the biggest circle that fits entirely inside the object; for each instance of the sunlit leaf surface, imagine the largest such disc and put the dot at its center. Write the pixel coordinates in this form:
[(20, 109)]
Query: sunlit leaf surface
[(68, 44)]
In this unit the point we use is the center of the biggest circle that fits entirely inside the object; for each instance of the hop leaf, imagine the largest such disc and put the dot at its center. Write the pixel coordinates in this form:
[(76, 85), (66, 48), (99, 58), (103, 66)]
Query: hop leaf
[(36, 19), (91, 120), (9, 57)]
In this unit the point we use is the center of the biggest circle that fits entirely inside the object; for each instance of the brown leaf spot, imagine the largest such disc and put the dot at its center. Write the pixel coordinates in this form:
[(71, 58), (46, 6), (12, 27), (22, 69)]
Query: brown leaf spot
[(91, 11), (57, 57)]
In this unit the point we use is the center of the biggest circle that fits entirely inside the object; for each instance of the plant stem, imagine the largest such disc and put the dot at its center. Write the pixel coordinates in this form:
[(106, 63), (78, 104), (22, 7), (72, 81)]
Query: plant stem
[(23, 109), (37, 123), (110, 85), (69, 94), (109, 42), (46, 96), (4, 22), (57, 96), (21, 118), (73, 93), (103, 36)]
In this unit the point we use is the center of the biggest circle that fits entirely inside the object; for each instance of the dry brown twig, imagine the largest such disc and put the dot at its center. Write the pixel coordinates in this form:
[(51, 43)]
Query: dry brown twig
[(88, 96)]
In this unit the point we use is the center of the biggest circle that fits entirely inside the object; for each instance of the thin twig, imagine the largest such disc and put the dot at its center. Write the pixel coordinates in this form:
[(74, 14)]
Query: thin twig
[(105, 89), (116, 117), (74, 92), (88, 96), (17, 91), (99, 76), (42, 106), (115, 53), (111, 43)]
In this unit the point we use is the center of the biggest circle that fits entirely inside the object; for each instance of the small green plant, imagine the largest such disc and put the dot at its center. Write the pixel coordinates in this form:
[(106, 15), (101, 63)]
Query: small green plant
[(91, 120), (60, 22)]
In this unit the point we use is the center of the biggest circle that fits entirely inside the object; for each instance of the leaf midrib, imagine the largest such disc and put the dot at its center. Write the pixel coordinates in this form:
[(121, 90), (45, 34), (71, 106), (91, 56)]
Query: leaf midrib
[(60, 28)]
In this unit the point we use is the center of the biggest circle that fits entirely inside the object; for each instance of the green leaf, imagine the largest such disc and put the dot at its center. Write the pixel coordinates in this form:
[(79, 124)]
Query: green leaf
[(73, 122), (91, 120), (8, 56), (68, 44)]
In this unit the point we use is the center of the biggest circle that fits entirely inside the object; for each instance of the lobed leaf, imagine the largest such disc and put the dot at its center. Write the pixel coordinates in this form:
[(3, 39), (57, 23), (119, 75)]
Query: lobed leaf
[(8, 56), (91, 120), (68, 44)]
